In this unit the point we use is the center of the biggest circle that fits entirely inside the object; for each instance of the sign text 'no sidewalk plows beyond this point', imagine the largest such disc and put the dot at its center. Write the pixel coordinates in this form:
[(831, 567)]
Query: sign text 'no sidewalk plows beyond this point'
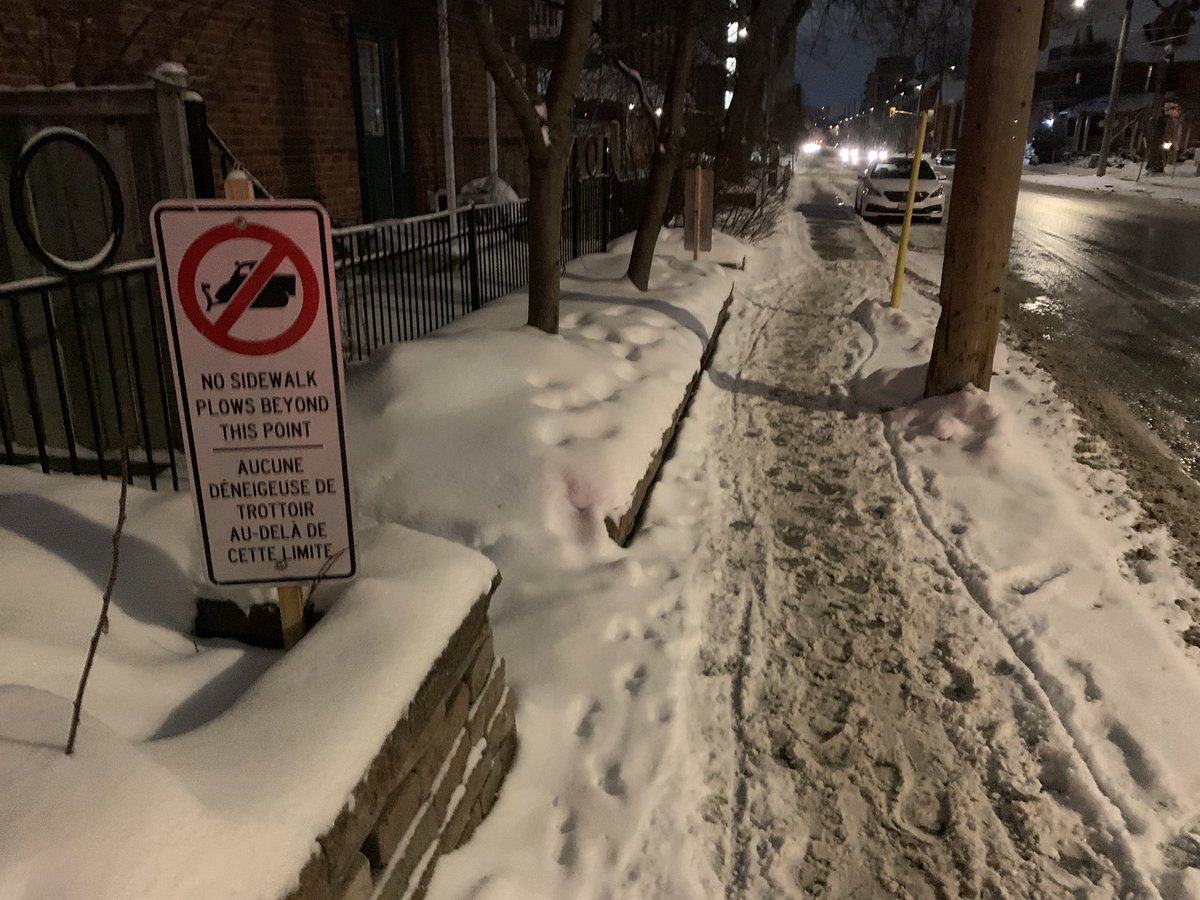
[(250, 306)]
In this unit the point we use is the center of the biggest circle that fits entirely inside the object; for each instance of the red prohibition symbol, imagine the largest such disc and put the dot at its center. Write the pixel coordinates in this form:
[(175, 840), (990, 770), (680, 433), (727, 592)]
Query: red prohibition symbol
[(280, 248)]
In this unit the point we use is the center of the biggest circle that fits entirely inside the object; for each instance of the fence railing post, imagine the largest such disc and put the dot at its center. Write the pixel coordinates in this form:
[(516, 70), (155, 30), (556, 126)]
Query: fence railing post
[(473, 257), (606, 206), (573, 199), (170, 88)]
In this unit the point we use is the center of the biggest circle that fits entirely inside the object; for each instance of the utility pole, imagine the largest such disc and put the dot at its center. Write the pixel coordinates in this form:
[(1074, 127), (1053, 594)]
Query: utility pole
[(1114, 91), (1158, 124), (1004, 47)]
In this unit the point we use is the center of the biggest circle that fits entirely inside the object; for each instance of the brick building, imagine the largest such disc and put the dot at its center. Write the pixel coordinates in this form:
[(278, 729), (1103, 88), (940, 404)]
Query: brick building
[(338, 103)]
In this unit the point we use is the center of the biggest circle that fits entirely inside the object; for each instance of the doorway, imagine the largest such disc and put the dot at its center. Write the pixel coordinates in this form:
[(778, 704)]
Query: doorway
[(381, 117)]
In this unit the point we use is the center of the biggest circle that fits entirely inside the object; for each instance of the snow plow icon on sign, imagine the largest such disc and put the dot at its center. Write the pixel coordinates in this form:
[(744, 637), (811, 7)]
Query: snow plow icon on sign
[(278, 290), (248, 288)]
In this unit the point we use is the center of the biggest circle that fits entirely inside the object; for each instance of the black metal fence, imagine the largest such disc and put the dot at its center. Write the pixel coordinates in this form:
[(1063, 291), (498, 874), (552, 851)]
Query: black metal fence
[(83, 360)]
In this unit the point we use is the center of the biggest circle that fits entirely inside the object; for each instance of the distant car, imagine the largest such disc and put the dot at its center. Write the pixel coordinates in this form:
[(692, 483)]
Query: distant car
[(946, 158), (883, 190)]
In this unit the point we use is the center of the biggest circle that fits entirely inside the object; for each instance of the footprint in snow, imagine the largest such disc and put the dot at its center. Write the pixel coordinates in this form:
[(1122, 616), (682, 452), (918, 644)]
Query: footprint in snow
[(587, 724)]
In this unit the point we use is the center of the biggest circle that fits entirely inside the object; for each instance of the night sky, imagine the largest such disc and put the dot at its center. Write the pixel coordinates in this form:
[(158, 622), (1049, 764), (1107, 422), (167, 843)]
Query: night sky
[(834, 75), (833, 67)]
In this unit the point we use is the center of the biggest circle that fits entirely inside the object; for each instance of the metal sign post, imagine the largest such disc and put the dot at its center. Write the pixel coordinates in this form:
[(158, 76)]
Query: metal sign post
[(250, 308), (902, 252)]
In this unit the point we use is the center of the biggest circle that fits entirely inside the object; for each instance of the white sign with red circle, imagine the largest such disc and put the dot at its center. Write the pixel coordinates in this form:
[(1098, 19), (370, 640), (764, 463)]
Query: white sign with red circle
[(250, 306)]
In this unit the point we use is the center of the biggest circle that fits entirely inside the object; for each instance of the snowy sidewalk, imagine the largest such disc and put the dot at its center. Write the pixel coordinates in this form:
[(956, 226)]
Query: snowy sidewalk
[(915, 653), (942, 677)]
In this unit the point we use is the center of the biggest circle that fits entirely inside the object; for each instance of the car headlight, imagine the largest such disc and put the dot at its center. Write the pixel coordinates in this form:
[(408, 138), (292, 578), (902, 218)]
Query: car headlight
[(937, 193)]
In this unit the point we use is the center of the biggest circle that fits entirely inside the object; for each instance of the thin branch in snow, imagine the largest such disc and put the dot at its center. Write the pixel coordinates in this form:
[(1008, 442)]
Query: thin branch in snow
[(102, 622)]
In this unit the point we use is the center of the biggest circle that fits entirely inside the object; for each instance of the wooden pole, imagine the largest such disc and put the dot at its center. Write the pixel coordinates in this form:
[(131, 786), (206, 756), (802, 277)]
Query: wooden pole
[(902, 251), (238, 185), (1004, 47), (290, 598), (696, 218)]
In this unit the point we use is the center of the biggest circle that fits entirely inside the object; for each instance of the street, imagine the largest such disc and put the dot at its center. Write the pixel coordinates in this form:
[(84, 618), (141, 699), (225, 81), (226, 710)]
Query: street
[(1109, 283), (1118, 288)]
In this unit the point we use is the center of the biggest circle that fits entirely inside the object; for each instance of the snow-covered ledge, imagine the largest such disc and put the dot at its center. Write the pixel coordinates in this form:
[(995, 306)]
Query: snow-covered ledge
[(213, 769)]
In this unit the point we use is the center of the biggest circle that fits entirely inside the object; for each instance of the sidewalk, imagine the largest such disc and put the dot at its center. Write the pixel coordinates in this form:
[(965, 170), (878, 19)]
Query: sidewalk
[(918, 653), (956, 653)]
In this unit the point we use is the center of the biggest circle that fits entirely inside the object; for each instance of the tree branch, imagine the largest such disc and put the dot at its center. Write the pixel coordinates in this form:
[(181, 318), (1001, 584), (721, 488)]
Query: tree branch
[(102, 622), (507, 82), (569, 55)]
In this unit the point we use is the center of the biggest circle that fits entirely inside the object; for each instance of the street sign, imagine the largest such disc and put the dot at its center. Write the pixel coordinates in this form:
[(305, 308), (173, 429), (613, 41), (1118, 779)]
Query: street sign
[(251, 312)]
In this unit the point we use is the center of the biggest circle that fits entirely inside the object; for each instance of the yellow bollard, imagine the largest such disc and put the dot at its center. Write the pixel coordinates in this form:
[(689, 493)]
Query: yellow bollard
[(898, 278)]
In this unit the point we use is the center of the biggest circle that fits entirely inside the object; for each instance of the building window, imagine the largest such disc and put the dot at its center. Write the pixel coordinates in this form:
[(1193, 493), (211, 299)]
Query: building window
[(728, 98), (370, 88), (731, 33), (731, 64)]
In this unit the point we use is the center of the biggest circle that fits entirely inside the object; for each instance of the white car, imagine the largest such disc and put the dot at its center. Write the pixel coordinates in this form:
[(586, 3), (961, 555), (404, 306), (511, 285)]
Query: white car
[(883, 190)]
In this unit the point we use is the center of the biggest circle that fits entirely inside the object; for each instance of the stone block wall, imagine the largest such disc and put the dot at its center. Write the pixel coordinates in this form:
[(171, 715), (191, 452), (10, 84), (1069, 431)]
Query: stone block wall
[(432, 782)]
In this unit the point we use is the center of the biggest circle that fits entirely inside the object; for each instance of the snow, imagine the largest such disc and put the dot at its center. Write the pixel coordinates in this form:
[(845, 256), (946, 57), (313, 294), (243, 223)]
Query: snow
[(1183, 187), (862, 641), (636, 747), (1055, 553), (726, 249), (211, 767), (528, 441), (202, 769)]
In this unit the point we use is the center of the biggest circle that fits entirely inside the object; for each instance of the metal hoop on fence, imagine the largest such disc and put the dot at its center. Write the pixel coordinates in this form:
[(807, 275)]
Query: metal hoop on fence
[(20, 209)]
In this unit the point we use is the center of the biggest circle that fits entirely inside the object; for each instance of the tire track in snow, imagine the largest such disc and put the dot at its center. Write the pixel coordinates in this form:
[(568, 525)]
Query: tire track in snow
[(973, 581)]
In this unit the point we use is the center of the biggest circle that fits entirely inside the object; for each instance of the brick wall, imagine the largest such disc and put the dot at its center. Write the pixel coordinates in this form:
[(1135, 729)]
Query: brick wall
[(275, 76), (419, 50)]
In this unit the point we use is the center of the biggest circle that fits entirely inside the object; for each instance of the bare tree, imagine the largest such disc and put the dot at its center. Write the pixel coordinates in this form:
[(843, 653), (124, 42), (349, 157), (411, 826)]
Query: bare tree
[(770, 33), (548, 132), (666, 150)]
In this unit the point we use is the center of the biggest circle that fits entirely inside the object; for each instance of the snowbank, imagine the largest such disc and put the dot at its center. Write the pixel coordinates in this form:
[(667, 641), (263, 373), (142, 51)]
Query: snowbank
[(520, 443), (203, 769), (726, 249), (1184, 187), (1060, 557)]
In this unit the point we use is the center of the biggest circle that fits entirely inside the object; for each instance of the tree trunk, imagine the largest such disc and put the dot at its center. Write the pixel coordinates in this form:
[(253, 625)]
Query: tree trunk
[(769, 35), (666, 150), (1004, 47), (546, 177), (548, 131)]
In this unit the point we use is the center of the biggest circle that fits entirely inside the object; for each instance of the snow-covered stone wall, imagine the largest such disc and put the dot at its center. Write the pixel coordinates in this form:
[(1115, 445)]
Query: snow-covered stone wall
[(431, 784)]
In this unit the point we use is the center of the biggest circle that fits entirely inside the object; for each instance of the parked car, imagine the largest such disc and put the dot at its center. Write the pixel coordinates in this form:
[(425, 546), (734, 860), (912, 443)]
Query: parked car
[(883, 190), (946, 158)]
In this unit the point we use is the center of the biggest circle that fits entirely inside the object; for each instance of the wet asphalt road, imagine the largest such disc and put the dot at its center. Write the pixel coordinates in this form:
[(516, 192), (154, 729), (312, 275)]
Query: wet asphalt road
[(1116, 283)]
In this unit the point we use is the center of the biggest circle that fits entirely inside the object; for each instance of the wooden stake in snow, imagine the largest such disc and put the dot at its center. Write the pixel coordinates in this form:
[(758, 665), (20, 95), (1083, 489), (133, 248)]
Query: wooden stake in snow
[(1004, 47), (102, 622), (291, 614)]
